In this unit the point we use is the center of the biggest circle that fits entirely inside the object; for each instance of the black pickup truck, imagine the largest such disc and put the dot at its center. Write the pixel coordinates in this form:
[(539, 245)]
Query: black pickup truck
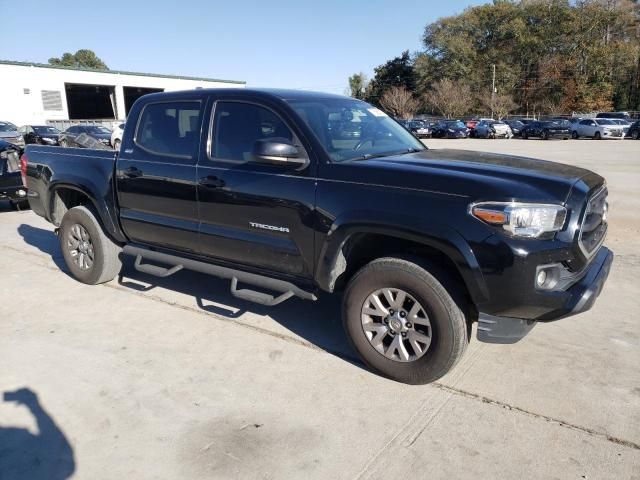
[(254, 186)]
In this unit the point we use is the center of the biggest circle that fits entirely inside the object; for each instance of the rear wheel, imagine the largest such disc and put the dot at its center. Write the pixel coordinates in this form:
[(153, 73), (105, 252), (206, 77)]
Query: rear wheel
[(403, 322), (90, 255), (524, 135)]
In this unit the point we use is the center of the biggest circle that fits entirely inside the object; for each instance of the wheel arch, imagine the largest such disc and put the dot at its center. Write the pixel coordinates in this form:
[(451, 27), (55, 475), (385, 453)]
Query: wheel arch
[(350, 247)]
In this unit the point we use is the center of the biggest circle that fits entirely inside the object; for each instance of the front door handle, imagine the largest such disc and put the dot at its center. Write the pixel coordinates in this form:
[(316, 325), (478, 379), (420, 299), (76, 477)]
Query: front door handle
[(132, 172), (211, 182)]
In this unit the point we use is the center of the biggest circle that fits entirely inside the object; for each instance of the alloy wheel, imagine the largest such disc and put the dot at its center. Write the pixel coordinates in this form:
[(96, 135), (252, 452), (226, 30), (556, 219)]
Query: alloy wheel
[(80, 246), (396, 325)]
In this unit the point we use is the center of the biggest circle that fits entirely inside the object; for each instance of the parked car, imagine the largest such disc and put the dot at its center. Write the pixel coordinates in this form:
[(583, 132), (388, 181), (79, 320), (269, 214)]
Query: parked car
[(634, 130), (11, 186), (450, 129), (492, 129), (597, 128), (116, 136), (419, 243), (39, 134), (545, 130), (623, 115), (419, 128), (625, 124), (9, 133), (73, 136), (516, 126)]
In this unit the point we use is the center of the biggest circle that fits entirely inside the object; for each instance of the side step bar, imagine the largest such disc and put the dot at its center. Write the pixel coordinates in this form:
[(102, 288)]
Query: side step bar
[(285, 289)]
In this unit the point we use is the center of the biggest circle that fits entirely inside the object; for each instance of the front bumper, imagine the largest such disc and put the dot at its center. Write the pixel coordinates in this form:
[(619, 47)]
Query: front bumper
[(14, 194), (578, 298)]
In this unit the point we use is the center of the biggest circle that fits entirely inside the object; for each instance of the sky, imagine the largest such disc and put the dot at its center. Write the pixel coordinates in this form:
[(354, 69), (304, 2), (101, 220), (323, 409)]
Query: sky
[(285, 44)]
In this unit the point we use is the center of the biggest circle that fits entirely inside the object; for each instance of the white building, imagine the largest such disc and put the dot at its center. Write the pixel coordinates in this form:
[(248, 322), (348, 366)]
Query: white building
[(38, 94)]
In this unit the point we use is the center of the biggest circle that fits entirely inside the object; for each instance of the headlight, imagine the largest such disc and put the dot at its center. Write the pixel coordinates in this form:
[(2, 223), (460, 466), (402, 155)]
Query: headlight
[(451, 130), (530, 220), (48, 140)]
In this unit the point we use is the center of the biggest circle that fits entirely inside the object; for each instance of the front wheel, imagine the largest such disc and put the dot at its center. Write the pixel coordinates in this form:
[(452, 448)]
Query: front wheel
[(635, 135), (575, 135), (90, 255), (545, 135), (403, 322), (597, 136)]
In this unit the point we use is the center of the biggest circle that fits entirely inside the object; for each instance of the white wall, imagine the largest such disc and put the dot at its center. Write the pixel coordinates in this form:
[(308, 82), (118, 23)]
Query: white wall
[(22, 108)]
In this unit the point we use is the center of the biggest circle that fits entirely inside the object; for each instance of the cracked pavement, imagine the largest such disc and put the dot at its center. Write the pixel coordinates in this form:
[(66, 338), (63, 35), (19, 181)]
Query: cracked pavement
[(175, 378)]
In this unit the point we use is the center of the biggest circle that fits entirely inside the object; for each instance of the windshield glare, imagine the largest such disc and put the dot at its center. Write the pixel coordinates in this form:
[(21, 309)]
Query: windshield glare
[(455, 124), (7, 127), (46, 130), (97, 129), (349, 129)]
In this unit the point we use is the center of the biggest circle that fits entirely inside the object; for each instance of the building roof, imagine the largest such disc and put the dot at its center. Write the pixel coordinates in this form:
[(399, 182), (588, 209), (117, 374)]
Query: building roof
[(118, 72)]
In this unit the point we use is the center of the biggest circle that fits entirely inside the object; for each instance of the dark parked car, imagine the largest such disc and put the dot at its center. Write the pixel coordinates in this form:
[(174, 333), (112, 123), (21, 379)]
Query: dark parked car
[(546, 130), (11, 186), (419, 128), (419, 243), (622, 115), (516, 127), (40, 134), (73, 136), (634, 130), (450, 129)]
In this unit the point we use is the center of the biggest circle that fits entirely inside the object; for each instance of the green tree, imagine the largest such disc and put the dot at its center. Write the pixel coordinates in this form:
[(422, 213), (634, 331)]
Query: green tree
[(358, 85), (397, 72), (81, 59)]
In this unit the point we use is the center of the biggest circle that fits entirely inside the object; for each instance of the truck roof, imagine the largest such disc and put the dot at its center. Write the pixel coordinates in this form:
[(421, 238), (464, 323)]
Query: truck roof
[(282, 94)]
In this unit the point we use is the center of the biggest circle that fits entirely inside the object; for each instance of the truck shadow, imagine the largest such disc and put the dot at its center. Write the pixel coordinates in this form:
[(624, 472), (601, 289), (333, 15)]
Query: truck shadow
[(319, 322), (47, 455)]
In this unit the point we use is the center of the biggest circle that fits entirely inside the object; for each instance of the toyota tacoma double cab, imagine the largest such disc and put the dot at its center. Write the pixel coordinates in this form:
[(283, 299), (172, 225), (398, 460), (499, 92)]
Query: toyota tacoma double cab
[(264, 188)]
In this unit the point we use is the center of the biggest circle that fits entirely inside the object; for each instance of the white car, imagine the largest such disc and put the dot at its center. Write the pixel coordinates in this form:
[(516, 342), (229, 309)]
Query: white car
[(116, 136), (493, 129), (597, 128), (625, 124)]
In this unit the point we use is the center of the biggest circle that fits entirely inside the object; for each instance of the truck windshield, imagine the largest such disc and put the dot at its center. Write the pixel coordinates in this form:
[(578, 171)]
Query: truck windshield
[(350, 129)]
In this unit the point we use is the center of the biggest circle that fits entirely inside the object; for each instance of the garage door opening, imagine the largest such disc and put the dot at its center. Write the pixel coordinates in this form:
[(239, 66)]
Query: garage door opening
[(88, 102), (131, 94)]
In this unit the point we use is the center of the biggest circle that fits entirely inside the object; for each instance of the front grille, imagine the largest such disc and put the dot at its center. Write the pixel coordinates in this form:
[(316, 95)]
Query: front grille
[(594, 223)]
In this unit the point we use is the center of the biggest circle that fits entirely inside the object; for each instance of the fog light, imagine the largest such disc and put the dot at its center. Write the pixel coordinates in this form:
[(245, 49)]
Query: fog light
[(542, 277), (22, 193)]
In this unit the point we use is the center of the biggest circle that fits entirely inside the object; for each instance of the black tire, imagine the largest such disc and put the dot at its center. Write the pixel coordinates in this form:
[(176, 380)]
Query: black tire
[(635, 135), (597, 136), (20, 204), (106, 254), (449, 329), (524, 135), (545, 135), (575, 135)]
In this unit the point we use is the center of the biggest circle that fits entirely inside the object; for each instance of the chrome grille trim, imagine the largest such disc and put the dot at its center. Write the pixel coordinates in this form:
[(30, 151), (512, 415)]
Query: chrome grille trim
[(597, 204)]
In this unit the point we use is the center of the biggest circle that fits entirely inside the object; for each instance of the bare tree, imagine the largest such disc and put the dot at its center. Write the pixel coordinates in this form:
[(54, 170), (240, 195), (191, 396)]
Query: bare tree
[(451, 98), (399, 102), (500, 105)]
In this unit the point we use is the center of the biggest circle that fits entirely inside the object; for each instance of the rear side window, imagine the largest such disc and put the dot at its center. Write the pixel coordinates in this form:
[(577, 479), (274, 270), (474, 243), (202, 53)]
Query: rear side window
[(170, 129), (237, 126)]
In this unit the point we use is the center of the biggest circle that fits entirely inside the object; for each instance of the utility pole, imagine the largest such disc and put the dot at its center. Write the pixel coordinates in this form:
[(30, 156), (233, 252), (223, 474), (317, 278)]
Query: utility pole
[(493, 87)]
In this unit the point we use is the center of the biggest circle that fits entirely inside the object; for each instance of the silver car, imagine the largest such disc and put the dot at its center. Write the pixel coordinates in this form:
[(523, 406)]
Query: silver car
[(492, 129), (9, 133), (597, 128)]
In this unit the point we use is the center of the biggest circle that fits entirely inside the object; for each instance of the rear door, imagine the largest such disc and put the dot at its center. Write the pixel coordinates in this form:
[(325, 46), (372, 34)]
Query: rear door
[(254, 213), (156, 174)]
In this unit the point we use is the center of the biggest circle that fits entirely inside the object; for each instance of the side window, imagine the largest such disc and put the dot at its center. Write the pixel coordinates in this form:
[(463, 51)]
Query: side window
[(585, 122), (237, 126), (170, 129)]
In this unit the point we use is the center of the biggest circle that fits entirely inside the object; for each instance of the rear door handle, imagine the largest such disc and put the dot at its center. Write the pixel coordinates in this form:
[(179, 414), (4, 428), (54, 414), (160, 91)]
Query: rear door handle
[(211, 182), (132, 172)]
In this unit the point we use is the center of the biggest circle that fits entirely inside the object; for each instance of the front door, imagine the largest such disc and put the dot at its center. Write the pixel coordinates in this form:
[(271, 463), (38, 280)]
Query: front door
[(156, 175), (254, 213)]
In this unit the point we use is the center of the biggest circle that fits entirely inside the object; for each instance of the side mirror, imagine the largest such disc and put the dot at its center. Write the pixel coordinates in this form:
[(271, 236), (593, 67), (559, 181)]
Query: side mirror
[(278, 151)]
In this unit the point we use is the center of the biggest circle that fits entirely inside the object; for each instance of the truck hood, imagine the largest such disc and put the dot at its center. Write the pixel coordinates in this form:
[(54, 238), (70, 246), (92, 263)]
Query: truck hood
[(479, 175)]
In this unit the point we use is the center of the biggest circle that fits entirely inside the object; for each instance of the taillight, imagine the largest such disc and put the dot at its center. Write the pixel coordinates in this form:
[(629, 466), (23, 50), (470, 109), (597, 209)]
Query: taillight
[(23, 169)]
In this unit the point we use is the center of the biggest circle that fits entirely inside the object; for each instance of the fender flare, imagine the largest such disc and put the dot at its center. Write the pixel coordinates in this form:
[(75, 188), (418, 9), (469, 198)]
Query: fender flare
[(106, 215), (444, 239)]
